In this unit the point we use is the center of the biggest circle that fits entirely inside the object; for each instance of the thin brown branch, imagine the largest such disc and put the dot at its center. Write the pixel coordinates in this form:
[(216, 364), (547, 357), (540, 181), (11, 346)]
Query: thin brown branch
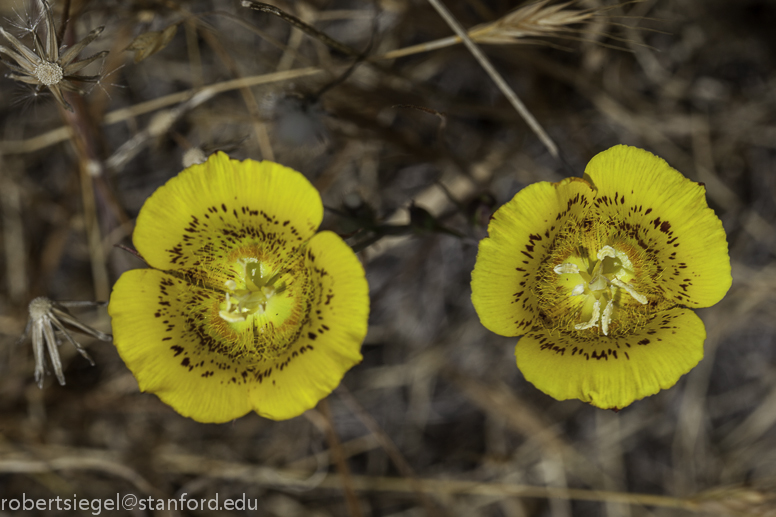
[(354, 508)]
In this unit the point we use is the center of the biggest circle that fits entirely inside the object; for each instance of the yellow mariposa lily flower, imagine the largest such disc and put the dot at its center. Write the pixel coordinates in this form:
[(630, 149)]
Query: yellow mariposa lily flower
[(246, 307), (598, 276)]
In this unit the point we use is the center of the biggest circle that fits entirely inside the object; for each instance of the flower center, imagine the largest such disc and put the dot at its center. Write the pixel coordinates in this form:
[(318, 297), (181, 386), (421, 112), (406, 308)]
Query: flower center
[(252, 294), (262, 307), (48, 73), (609, 277)]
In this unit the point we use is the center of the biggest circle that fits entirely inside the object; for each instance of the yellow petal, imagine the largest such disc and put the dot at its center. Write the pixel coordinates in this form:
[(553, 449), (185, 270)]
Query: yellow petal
[(222, 207), (157, 329), (612, 372), (654, 209), (521, 234), (330, 341)]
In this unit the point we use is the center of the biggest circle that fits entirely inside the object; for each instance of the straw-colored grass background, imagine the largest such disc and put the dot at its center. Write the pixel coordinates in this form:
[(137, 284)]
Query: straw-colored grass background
[(437, 420)]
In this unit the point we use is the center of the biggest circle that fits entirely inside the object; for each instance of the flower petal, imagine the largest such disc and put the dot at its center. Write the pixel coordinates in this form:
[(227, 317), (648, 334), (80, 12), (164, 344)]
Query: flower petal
[(521, 233), (155, 330), (205, 212), (612, 372), (330, 341), (659, 211)]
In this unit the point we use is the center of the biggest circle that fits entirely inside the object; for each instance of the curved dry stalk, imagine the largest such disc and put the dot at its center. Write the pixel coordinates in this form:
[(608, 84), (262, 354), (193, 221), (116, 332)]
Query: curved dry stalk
[(288, 479)]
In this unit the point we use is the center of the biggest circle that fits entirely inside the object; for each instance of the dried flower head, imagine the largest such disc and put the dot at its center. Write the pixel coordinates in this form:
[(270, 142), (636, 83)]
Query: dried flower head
[(48, 64), (45, 314), (599, 275)]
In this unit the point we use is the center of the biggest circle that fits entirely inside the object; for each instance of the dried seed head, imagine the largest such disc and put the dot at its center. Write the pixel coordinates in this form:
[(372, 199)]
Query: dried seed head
[(48, 73), (47, 64), (39, 307), (46, 317)]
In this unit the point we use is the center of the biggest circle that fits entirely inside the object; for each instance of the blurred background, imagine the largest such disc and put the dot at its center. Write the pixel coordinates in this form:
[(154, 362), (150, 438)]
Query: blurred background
[(412, 147)]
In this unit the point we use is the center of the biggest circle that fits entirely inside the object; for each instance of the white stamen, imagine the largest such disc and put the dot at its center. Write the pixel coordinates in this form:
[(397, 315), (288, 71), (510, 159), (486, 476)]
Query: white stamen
[(579, 289), (607, 317), (606, 251), (624, 260), (566, 269), (631, 291), (231, 317), (593, 320)]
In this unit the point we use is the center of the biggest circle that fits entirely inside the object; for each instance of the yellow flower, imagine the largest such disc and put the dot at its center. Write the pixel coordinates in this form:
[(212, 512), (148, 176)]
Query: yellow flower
[(599, 275), (247, 307)]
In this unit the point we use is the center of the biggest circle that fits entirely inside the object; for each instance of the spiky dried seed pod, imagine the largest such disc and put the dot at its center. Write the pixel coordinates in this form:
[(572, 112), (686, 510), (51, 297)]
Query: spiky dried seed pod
[(48, 64), (45, 316)]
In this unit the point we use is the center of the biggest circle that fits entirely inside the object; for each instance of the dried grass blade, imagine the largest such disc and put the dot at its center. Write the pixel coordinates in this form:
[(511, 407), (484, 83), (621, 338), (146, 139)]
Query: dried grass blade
[(500, 82)]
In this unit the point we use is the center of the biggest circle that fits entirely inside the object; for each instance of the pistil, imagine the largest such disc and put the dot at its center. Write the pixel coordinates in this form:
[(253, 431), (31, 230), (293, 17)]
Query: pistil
[(610, 273), (252, 297)]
